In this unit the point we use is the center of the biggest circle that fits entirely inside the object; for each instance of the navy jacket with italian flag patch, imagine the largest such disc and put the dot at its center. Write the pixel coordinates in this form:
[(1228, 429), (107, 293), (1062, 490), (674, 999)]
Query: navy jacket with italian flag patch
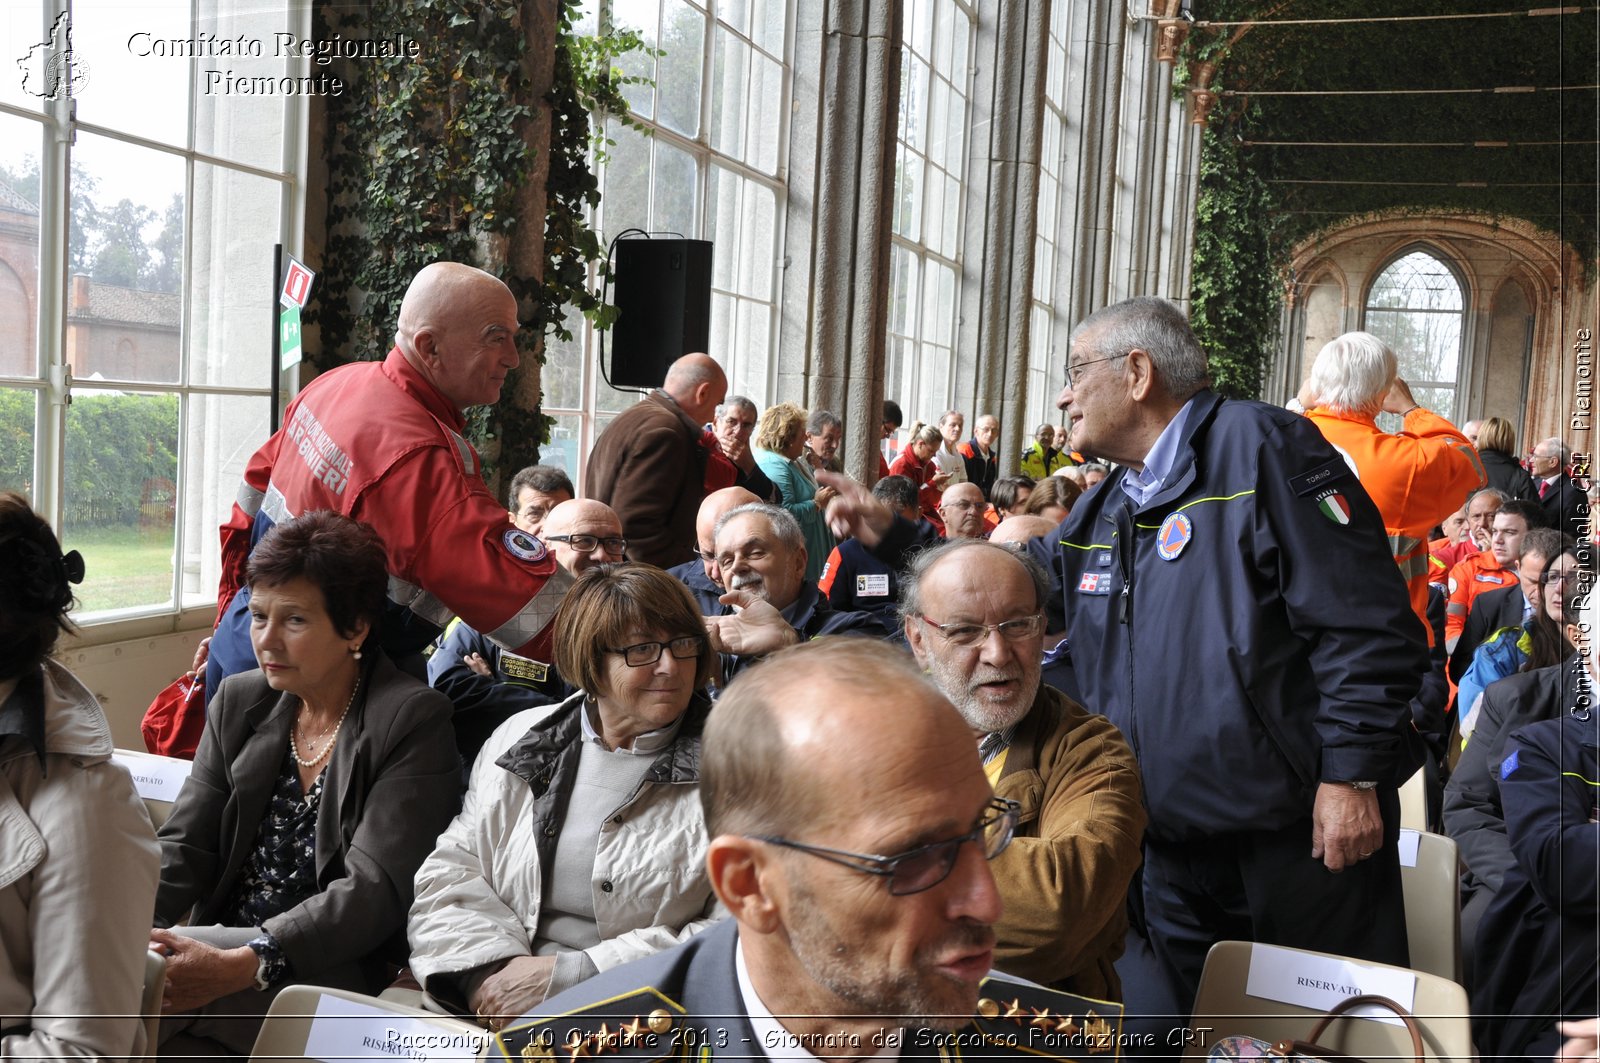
[(1246, 628)]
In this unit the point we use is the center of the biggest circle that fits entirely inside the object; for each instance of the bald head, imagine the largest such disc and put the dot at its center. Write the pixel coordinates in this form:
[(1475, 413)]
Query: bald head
[(458, 328), (712, 509), (961, 508), (1021, 528), (698, 385), (796, 735), (583, 517)]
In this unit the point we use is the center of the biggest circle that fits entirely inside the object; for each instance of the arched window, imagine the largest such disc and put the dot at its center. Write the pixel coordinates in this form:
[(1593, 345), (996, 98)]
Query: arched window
[(1417, 305)]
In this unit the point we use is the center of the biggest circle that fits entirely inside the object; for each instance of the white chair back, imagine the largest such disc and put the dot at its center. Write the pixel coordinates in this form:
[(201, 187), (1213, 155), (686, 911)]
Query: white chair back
[(1223, 1006), (309, 1024), (1430, 875)]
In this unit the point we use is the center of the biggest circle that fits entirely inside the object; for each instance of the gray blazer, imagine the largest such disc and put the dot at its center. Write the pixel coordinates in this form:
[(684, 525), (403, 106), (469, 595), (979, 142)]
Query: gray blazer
[(391, 786)]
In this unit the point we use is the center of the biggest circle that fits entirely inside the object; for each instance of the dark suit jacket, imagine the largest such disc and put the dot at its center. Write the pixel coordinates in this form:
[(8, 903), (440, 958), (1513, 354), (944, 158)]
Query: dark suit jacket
[(699, 977), (649, 466), (1564, 505), (1472, 814), (1491, 611), (391, 786)]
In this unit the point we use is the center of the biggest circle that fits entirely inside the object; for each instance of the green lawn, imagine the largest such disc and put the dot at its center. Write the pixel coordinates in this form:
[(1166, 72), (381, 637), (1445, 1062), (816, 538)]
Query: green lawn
[(123, 567)]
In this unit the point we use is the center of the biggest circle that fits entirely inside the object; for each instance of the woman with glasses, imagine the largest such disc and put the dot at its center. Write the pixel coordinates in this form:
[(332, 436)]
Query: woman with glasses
[(1540, 641), (580, 844)]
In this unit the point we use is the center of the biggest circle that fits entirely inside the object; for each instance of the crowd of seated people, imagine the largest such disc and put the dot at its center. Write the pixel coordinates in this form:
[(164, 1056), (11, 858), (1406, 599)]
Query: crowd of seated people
[(533, 818)]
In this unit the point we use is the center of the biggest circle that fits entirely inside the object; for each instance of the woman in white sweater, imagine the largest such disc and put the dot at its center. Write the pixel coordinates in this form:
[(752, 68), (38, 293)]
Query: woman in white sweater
[(580, 844)]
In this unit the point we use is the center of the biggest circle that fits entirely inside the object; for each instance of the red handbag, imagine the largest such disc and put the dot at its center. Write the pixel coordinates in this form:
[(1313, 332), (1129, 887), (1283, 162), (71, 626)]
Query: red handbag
[(174, 720)]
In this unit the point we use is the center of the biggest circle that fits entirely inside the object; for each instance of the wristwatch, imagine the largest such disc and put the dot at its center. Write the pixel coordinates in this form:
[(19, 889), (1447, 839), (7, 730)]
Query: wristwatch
[(1364, 785)]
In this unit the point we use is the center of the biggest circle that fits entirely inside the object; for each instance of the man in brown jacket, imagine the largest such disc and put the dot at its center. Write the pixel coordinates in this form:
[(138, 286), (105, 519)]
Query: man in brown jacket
[(649, 464), (973, 615)]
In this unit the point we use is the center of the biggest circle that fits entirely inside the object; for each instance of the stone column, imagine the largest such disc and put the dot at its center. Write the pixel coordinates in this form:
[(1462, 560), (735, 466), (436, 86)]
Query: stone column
[(836, 244), (1002, 210)]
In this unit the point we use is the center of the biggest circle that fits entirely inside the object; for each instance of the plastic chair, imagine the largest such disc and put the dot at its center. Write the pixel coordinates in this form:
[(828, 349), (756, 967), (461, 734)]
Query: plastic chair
[(155, 982), (1414, 803), (287, 1034), (143, 766), (1223, 1008), (1433, 904)]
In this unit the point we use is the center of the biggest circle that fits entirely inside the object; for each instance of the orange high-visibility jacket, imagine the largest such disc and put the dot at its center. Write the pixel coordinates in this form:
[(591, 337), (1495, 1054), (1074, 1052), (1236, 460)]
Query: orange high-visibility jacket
[(1470, 578), (1416, 478)]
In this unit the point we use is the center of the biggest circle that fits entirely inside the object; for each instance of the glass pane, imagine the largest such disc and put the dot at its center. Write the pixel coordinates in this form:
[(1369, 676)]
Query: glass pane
[(35, 78), (246, 126), (625, 185), (125, 254), (919, 20), (730, 98), (754, 326), (561, 377), (672, 206), (949, 240), (679, 69), (565, 446), (766, 99), (767, 25), (736, 13), (723, 341), (20, 148), (908, 195), (232, 297), (18, 418), (933, 380), (638, 15), (120, 496), (914, 104), (137, 52), (610, 399), (220, 433), (723, 214), (939, 307), (1417, 281), (1427, 346), (959, 42), (938, 129)]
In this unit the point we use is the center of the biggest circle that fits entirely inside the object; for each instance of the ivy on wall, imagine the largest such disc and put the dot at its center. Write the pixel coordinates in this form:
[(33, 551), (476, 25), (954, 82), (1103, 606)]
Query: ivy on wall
[(1236, 287), (1336, 111), (426, 160)]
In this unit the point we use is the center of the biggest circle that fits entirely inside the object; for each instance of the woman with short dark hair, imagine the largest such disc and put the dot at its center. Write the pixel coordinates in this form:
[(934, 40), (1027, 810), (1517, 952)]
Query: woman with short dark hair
[(78, 854), (580, 844), (321, 781)]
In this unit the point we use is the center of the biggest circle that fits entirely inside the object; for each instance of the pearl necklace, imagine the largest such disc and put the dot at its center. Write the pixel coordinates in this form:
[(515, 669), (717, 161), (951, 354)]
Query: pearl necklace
[(294, 750)]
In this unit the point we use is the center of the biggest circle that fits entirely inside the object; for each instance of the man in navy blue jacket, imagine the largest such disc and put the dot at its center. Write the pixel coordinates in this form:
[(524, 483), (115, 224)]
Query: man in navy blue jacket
[(1232, 606)]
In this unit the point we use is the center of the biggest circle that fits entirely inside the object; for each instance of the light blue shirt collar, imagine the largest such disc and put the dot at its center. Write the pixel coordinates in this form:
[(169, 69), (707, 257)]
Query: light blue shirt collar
[(1142, 486)]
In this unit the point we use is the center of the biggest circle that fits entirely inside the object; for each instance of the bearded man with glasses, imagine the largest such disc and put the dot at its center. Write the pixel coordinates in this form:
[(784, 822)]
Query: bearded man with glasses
[(974, 618), (852, 835)]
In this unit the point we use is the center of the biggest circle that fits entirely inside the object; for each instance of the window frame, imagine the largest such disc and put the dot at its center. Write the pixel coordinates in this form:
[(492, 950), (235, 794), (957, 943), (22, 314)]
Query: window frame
[(1456, 386), (54, 387)]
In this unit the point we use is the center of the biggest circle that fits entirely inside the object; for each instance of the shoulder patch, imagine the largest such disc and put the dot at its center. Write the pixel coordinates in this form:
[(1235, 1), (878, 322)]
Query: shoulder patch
[(1321, 477), (520, 544), (1509, 765), (642, 1027), (1334, 506)]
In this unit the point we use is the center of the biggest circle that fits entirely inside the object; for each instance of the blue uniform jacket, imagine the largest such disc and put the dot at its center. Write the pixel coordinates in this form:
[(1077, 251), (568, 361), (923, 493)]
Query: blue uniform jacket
[(707, 595), (1246, 629), (1539, 941)]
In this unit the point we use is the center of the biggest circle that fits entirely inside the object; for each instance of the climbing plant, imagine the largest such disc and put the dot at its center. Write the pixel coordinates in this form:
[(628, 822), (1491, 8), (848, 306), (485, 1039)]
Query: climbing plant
[(427, 157)]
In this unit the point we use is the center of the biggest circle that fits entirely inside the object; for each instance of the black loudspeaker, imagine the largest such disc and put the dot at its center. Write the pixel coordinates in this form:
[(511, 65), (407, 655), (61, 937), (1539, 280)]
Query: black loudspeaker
[(662, 292)]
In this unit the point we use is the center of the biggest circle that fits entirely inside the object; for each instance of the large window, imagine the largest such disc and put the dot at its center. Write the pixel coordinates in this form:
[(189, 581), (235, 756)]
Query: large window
[(930, 160), (711, 168), (1047, 332), (1417, 306), (141, 193)]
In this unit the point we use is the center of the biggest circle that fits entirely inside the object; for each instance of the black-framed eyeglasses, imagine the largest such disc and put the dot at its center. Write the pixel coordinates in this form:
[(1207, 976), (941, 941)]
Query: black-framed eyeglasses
[(642, 653), (1023, 627), (1557, 576), (585, 544), (1075, 372), (925, 866)]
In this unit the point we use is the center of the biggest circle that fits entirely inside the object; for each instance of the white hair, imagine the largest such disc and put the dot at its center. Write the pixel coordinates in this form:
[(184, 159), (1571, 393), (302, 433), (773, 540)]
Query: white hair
[(1353, 373)]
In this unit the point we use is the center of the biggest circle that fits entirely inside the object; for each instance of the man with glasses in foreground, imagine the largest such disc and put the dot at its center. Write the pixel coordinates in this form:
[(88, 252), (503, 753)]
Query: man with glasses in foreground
[(852, 831), (974, 618)]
